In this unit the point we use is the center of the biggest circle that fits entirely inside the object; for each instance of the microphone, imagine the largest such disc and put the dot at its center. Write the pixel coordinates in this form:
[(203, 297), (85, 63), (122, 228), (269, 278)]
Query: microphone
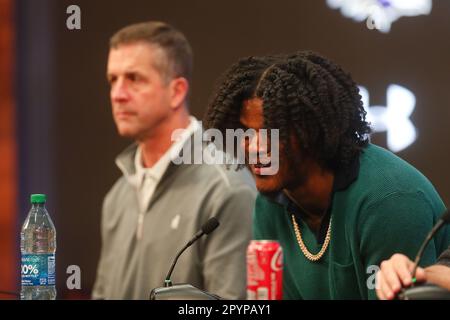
[(206, 229), (444, 219)]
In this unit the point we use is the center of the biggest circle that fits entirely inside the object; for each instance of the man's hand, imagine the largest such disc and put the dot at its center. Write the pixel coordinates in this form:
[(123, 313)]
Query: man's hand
[(394, 275)]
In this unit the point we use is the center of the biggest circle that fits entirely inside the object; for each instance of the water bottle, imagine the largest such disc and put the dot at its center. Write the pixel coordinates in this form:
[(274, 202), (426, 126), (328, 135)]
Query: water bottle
[(38, 247)]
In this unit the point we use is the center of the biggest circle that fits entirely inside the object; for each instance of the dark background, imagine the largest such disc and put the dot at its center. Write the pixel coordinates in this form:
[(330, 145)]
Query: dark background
[(67, 139)]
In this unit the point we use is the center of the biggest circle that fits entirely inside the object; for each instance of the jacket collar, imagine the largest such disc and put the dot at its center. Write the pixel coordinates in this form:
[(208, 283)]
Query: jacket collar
[(126, 160)]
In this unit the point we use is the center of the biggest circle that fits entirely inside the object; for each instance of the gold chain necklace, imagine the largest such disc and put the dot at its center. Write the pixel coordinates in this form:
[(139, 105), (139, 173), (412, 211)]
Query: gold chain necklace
[(301, 244), (309, 255)]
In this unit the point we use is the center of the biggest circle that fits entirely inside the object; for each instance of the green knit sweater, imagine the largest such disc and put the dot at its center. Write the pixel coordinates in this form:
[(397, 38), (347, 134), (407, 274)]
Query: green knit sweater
[(389, 208)]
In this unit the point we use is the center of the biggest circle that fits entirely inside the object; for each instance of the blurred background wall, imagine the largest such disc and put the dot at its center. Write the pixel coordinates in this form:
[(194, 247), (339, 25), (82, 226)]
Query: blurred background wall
[(57, 133), (8, 152)]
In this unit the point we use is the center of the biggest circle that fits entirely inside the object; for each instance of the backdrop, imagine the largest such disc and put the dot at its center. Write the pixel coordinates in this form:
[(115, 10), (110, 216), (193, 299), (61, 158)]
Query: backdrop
[(65, 133)]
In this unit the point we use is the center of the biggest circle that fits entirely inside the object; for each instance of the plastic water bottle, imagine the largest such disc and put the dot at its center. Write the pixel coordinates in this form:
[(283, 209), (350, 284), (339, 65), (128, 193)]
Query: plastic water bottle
[(38, 247)]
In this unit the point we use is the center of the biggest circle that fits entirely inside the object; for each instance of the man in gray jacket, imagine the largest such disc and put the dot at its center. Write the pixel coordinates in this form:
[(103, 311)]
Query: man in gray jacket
[(157, 206)]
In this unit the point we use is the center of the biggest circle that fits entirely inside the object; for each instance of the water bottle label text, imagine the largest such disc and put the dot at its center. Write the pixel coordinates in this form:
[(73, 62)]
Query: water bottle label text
[(38, 270)]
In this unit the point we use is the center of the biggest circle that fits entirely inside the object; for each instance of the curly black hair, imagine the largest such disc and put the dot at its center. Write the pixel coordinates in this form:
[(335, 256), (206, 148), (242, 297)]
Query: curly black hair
[(302, 92)]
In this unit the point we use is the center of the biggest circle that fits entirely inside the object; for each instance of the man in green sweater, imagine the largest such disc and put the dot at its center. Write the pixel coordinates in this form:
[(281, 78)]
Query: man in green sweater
[(337, 204)]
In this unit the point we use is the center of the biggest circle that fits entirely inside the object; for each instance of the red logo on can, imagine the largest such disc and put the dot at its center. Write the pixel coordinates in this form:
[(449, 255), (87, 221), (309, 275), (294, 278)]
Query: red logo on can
[(264, 270)]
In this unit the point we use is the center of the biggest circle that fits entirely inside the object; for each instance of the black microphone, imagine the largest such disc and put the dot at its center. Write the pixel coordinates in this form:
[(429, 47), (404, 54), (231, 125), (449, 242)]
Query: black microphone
[(207, 228), (444, 219)]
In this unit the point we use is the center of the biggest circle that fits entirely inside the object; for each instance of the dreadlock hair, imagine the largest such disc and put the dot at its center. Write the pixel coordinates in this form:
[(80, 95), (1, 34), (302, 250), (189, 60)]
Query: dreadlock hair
[(303, 93)]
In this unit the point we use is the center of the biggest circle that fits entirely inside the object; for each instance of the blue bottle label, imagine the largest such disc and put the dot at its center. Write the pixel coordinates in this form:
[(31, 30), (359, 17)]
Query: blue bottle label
[(38, 269)]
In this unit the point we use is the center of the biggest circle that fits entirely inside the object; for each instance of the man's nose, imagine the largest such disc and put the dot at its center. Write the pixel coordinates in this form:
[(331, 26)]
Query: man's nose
[(258, 143), (119, 91)]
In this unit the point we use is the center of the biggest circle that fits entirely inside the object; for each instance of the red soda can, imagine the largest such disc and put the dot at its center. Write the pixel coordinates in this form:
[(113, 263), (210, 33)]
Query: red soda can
[(264, 270)]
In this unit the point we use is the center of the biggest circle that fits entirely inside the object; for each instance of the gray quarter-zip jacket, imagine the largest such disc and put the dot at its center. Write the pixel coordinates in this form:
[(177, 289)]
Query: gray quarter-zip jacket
[(132, 263)]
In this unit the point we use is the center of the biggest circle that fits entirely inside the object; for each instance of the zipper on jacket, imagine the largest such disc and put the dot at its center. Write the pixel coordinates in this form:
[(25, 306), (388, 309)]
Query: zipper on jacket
[(140, 225)]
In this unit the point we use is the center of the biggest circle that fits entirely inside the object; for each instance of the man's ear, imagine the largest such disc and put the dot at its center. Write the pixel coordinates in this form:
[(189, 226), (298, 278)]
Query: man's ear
[(179, 88)]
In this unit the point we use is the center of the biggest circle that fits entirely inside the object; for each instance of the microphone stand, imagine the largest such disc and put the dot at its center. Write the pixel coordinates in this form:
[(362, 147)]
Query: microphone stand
[(185, 291), (426, 291), (167, 281)]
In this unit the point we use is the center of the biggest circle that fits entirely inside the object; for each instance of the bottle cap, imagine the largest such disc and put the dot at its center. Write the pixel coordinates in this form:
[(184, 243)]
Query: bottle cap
[(38, 198)]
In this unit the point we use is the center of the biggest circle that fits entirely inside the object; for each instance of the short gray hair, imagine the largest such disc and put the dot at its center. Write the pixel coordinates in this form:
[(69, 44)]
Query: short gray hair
[(176, 48)]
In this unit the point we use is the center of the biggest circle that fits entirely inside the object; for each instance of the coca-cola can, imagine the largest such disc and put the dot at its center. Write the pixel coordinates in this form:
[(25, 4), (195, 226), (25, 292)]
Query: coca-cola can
[(264, 270)]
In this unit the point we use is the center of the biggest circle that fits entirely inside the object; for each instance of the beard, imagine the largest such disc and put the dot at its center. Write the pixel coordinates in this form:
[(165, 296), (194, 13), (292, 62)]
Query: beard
[(271, 185), (292, 174)]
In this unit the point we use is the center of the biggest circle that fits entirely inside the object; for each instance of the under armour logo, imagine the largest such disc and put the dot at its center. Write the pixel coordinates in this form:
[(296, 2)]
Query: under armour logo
[(394, 117), (381, 14)]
